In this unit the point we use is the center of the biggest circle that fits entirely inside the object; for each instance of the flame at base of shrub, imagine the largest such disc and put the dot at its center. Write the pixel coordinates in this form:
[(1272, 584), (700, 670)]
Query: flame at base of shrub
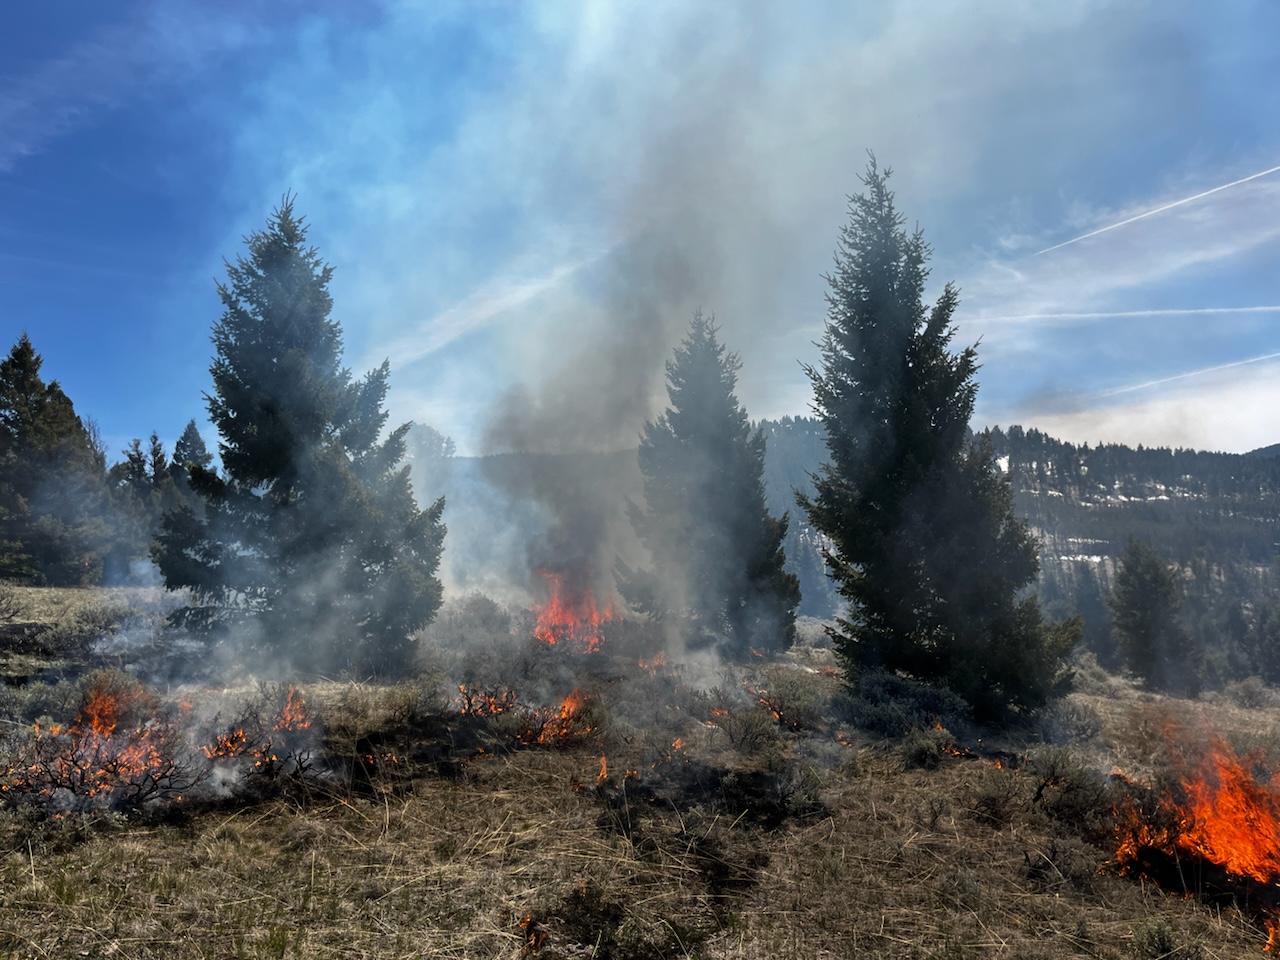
[(123, 752), (1214, 832), (571, 616)]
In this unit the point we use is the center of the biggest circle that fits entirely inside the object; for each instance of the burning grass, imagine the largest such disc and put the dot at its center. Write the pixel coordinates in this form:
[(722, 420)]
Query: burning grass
[(566, 804)]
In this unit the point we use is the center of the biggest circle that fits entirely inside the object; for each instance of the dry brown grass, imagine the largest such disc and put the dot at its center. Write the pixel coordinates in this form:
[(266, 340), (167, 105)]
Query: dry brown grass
[(903, 867), (948, 863)]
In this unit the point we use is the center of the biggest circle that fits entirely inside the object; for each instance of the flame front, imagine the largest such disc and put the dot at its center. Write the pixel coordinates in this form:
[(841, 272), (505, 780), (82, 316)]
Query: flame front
[(1232, 819), (1224, 815), (571, 617)]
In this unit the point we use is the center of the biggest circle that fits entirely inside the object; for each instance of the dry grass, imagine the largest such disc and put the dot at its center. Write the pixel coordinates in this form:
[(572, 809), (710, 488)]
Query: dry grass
[(54, 605), (948, 863)]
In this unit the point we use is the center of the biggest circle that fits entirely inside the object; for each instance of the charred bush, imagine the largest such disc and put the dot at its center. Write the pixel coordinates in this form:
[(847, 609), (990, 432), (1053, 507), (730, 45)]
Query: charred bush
[(997, 797), (1070, 792), (1063, 862), (592, 921)]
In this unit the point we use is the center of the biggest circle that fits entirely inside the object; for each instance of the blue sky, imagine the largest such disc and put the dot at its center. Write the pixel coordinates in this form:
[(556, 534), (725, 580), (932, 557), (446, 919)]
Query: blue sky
[(525, 202)]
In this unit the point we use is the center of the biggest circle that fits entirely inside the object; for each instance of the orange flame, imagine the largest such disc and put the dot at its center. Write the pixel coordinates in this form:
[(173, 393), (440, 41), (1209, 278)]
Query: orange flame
[(293, 714), (1232, 819), (564, 723), (1225, 815), (571, 617)]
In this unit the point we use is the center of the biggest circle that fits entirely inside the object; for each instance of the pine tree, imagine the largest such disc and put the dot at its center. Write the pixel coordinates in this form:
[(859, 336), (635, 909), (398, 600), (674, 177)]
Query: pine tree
[(717, 551), (52, 490), (1145, 604), (925, 546), (311, 533), (157, 463), (190, 449)]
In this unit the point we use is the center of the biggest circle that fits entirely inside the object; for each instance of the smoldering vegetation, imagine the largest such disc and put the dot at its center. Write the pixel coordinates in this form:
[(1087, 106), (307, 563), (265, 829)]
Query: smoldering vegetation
[(606, 802)]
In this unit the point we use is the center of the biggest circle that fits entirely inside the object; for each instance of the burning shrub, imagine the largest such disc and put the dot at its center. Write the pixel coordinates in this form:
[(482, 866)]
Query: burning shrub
[(1212, 826), (577, 717), (119, 753), (798, 700), (750, 730), (272, 736)]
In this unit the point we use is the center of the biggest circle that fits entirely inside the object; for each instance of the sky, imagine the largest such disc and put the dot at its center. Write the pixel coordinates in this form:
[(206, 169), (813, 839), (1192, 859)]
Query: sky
[(524, 203)]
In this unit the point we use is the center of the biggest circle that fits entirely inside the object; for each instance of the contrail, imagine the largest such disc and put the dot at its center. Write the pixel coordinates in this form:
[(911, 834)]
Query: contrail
[(1161, 209), (1190, 373), (1122, 314)]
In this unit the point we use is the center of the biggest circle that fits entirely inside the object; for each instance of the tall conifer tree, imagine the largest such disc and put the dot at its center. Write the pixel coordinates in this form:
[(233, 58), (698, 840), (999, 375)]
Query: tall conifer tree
[(190, 448), (1145, 605), (717, 551), (52, 479), (311, 533), (925, 546)]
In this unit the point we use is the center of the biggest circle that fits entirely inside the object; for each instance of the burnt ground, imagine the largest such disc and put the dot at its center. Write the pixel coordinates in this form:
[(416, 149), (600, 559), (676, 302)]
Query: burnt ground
[(804, 838)]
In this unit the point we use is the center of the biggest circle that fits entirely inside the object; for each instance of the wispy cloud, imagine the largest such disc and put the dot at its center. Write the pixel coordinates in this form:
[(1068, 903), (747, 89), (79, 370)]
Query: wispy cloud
[(1136, 314), (1158, 210), (484, 306), (140, 50), (1005, 297), (37, 107), (1188, 374)]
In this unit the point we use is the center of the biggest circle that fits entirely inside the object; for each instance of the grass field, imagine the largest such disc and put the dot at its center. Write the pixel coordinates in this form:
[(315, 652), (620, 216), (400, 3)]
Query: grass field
[(906, 853)]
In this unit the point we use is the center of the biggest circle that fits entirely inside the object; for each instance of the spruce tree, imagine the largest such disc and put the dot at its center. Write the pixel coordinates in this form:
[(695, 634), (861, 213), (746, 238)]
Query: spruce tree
[(924, 543), (717, 551), (310, 538), (1145, 604), (52, 489), (190, 449)]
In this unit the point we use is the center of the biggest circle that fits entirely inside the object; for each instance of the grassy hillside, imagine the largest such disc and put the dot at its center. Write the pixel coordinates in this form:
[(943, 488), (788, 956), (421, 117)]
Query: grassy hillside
[(790, 821)]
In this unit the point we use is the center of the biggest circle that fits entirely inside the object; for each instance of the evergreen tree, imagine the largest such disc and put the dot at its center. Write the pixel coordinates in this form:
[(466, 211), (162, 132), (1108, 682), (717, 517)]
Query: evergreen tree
[(1144, 604), (157, 463), (143, 490), (190, 449), (717, 550), (925, 546), (311, 533), (52, 491)]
